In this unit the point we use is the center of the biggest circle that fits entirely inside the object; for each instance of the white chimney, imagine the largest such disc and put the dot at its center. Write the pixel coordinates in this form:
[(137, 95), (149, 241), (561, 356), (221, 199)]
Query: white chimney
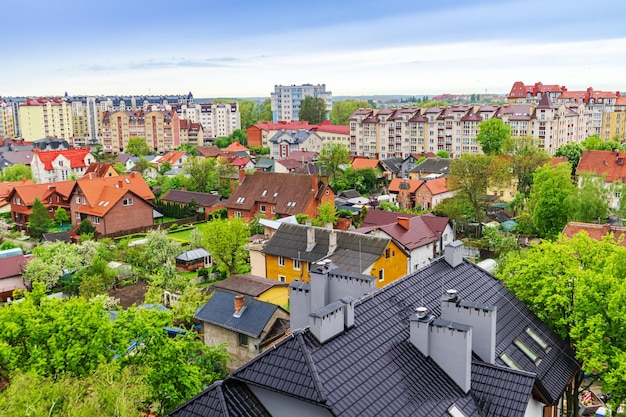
[(310, 238), (332, 242), (454, 253)]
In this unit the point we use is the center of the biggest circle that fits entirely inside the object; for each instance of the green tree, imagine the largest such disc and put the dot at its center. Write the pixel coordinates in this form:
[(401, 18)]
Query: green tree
[(588, 202), (86, 227), (596, 143), (165, 166), (492, 134), (343, 110), (143, 164), (331, 158), (51, 259), (526, 157), (61, 216), (119, 167), (159, 249), (549, 196), (363, 180), (576, 287), (326, 213), (266, 111), (498, 242), (39, 219), (138, 147), (249, 111), (442, 154), (572, 151), (470, 175), (225, 240), (313, 110), (16, 172)]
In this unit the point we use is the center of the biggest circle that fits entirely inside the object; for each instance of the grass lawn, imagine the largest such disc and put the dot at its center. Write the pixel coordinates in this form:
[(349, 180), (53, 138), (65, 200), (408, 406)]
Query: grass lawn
[(184, 235)]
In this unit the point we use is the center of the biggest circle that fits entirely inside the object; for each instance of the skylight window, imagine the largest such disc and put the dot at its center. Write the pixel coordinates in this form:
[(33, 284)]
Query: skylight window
[(454, 411), (264, 193), (275, 195), (535, 336), (527, 351), (510, 362)]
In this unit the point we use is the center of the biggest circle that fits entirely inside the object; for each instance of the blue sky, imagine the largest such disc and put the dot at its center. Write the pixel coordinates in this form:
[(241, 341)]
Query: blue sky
[(243, 48)]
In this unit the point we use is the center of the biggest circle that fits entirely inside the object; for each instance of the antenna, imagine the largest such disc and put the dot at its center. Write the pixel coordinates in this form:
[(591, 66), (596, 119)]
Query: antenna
[(360, 267)]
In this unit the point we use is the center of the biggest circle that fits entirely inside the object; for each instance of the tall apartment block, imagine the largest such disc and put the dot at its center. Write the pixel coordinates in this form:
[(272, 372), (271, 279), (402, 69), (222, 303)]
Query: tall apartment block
[(286, 100), (387, 133), (7, 120), (217, 119), (46, 118), (159, 128)]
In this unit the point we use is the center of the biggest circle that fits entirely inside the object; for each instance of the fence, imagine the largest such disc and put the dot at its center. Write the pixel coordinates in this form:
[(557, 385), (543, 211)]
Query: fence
[(144, 229)]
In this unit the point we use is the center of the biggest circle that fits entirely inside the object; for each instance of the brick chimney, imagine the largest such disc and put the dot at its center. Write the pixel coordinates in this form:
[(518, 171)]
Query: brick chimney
[(404, 222), (240, 305)]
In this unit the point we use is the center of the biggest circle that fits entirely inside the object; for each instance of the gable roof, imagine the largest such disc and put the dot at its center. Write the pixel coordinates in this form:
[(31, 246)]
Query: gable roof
[(192, 255), (393, 164), (100, 169), (355, 252), (19, 157), (171, 157), (596, 231), (28, 193), (210, 152), (184, 197), (608, 163), (394, 185), (75, 156), (362, 163), (289, 193), (247, 284), (7, 186), (381, 217), (433, 166), (219, 311), (102, 193), (236, 147), (437, 185)]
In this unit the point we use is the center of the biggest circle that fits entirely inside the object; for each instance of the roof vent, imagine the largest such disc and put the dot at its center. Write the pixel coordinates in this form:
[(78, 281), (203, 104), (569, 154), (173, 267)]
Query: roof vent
[(452, 295), (421, 312)]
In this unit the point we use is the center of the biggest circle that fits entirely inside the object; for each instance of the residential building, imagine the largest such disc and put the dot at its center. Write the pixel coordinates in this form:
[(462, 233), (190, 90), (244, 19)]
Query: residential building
[(87, 119), (431, 168), (5, 190), (259, 134), (53, 166), (245, 325), (286, 100), (404, 192), (175, 159), (216, 119), (46, 117), (285, 142), (206, 203), (333, 134), (446, 340), (294, 248), (52, 195), (614, 125), (260, 288), (610, 166), (100, 169), (191, 133), (159, 128), (7, 120), (277, 195), (432, 192), (423, 237), (12, 263), (112, 204)]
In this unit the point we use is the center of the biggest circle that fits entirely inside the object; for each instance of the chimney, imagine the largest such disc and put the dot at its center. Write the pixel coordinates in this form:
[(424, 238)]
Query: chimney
[(404, 222), (120, 184), (240, 305), (300, 304), (454, 253), (448, 343), (482, 319), (310, 237), (242, 175), (332, 242)]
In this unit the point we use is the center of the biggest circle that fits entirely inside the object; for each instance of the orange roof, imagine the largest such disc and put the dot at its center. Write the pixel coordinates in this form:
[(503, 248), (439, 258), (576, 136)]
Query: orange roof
[(282, 125), (596, 231), (28, 193), (170, 157), (394, 186), (7, 186), (361, 163), (236, 147), (608, 163), (437, 186), (99, 191), (75, 156)]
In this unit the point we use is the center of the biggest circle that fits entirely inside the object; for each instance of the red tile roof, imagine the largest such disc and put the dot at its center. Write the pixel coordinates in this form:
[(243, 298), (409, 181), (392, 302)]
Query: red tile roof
[(608, 163), (437, 186), (7, 186), (361, 163), (394, 186), (282, 125), (171, 157), (596, 231), (99, 191), (236, 147), (28, 193), (75, 156)]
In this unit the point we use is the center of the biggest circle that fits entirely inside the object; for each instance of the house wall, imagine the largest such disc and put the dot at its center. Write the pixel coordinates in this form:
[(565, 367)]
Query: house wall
[(122, 217), (214, 335), (276, 295), (421, 256), (394, 267), (280, 405), (534, 409), (257, 262), (274, 270)]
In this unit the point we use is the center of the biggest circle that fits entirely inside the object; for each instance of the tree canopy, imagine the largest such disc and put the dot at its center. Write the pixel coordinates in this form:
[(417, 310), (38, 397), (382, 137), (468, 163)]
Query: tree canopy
[(332, 157), (492, 134), (470, 176), (572, 151), (313, 110), (577, 287), (39, 219), (138, 147), (16, 172), (225, 240), (342, 110)]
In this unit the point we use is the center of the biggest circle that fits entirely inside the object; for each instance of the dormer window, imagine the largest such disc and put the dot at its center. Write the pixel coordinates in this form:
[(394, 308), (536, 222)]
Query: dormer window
[(240, 200)]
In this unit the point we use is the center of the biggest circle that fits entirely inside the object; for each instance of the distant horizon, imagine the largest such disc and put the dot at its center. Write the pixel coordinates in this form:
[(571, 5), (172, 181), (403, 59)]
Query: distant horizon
[(356, 48)]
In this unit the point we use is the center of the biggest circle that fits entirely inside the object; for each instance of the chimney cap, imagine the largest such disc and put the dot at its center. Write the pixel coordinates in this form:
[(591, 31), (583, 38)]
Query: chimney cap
[(421, 311), (452, 294)]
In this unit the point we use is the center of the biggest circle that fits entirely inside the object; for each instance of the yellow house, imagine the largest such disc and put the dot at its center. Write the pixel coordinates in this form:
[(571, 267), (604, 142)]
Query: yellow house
[(262, 289), (293, 248)]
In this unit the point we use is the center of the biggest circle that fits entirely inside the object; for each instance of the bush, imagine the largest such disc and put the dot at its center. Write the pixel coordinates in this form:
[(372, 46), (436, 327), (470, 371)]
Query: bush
[(173, 227)]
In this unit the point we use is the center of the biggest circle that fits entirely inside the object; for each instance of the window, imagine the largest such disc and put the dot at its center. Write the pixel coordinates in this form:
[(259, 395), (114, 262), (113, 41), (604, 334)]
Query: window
[(381, 275), (95, 219), (240, 200), (128, 201), (535, 336), (77, 200), (281, 261), (60, 163), (237, 214), (83, 200), (282, 278), (273, 210), (387, 253), (527, 351), (78, 216), (296, 264), (507, 359), (262, 208), (242, 340)]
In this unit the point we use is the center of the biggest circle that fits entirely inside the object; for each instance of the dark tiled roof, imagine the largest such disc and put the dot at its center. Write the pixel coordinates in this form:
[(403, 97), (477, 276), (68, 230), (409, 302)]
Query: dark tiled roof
[(223, 398), (382, 217), (393, 164), (184, 197), (248, 284), (354, 253), (220, 308), (499, 391), (351, 193), (433, 166)]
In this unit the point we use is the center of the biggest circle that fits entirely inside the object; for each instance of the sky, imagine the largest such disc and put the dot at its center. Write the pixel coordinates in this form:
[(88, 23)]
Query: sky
[(241, 48)]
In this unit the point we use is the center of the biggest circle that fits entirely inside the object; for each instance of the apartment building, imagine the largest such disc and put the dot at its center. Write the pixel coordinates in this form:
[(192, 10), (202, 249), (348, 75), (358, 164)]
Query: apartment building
[(46, 117), (7, 120), (191, 133), (217, 119), (400, 132), (286, 100), (159, 128)]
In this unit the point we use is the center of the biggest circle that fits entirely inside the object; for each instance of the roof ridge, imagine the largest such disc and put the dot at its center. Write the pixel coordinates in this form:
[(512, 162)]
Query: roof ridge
[(503, 368), (308, 358)]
